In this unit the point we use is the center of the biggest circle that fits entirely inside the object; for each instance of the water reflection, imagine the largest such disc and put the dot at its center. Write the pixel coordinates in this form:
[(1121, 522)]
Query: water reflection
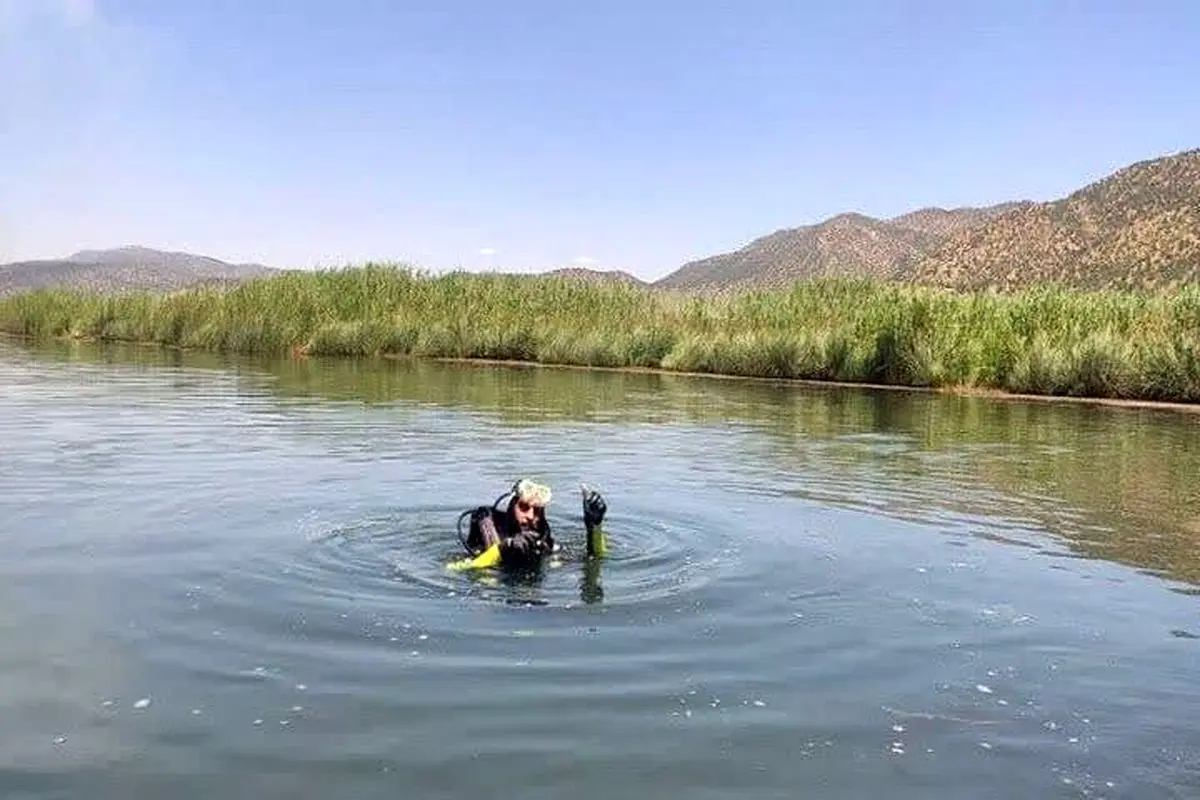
[(1111, 483)]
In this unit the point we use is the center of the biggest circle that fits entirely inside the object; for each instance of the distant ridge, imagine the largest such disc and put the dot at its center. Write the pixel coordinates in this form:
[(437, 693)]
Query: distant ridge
[(848, 244), (596, 275), (122, 269), (945, 222), (1138, 228)]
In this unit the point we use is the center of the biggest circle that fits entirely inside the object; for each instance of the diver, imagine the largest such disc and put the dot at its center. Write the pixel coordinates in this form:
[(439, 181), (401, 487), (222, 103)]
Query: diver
[(518, 535)]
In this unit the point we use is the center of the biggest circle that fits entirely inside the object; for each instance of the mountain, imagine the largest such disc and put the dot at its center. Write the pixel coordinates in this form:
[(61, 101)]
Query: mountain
[(942, 222), (846, 245), (124, 269), (596, 275), (1137, 228)]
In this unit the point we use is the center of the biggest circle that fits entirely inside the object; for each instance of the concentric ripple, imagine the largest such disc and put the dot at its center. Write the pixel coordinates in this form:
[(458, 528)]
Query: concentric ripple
[(405, 555), (218, 582)]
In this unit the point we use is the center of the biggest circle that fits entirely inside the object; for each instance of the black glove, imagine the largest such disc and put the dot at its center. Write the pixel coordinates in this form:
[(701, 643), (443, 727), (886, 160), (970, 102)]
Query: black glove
[(594, 507)]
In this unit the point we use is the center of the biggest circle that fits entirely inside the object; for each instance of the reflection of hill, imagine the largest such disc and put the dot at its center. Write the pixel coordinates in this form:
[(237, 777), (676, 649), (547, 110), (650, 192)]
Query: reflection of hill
[(1117, 484)]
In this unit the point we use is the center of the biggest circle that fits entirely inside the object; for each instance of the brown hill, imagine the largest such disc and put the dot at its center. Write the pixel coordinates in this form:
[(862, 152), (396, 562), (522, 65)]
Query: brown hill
[(595, 275), (124, 269), (1138, 228), (848, 245), (941, 222)]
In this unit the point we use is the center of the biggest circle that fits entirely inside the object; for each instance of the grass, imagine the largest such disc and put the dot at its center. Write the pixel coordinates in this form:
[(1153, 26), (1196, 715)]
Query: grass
[(1046, 340)]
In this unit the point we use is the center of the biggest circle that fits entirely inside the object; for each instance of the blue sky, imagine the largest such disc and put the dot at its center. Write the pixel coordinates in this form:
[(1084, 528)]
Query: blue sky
[(530, 134)]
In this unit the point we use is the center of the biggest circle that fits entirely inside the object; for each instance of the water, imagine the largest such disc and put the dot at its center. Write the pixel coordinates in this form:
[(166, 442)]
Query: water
[(224, 577)]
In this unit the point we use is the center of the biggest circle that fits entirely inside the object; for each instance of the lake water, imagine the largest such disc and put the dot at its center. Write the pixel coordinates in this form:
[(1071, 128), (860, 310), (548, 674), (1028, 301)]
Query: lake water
[(225, 578)]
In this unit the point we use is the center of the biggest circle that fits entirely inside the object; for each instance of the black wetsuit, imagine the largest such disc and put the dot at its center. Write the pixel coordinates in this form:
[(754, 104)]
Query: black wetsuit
[(518, 547)]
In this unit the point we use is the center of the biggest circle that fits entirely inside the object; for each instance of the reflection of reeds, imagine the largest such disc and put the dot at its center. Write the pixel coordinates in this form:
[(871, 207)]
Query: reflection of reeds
[(1114, 483), (1044, 340)]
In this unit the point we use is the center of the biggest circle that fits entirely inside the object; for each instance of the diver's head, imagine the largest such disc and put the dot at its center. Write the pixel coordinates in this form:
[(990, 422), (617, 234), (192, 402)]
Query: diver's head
[(528, 506)]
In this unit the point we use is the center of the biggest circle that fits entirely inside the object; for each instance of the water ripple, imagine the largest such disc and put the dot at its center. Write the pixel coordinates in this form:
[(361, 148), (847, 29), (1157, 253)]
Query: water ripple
[(236, 585)]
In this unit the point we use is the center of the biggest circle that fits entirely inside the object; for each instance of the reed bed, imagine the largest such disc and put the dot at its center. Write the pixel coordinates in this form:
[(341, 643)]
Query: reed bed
[(1046, 340)]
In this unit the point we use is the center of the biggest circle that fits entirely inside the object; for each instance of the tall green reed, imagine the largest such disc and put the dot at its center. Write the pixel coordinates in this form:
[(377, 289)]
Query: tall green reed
[(1045, 340)]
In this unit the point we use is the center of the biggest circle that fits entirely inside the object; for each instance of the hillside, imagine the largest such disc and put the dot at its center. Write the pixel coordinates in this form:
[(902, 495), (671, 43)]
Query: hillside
[(941, 222), (596, 275), (1137, 228), (124, 269), (846, 245)]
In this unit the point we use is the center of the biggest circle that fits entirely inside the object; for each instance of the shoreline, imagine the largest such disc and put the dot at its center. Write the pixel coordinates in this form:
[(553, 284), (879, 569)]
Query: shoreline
[(297, 353), (978, 392)]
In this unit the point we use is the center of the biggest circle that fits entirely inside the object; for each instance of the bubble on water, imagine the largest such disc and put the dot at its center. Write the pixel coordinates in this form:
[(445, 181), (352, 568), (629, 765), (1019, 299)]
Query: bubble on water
[(985, 745), (106, 703), (195, 712), (979, 687), (285, 722), (143, 703), (300, 687), (423, 637), (60, 740), (297, 709), (898, 728), (258, 722), (687, 713), (760, 703)]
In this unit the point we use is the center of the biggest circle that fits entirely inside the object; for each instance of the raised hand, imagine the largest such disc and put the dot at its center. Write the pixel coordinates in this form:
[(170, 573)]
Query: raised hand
[(594, 507)]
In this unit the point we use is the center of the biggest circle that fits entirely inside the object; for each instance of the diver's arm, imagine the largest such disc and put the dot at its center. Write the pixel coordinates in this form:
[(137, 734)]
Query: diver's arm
[(597, 542)]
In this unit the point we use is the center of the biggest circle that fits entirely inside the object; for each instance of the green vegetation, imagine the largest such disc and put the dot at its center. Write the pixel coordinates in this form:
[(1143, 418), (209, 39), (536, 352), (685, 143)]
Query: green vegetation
[(1047, 340)]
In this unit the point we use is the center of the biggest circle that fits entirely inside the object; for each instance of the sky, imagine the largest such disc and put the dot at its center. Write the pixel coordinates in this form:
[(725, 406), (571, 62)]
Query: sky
[(531, 134)]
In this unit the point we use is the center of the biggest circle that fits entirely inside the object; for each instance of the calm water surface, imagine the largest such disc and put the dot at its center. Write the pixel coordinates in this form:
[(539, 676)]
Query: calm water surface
[(225, 578)]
